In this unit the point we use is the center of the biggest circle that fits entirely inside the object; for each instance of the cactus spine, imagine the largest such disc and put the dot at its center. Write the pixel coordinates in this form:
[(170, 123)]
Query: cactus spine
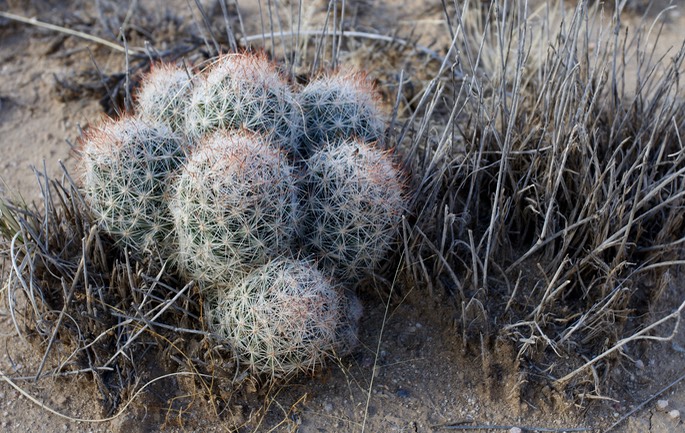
[(126, 172), (164, 94), (244, 91), (354, 208), (235, 206), (337, 107), (281, 319)]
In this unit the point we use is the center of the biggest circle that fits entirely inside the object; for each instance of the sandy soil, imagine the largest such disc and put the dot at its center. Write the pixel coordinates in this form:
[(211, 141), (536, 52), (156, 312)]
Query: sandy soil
[(422, 379)]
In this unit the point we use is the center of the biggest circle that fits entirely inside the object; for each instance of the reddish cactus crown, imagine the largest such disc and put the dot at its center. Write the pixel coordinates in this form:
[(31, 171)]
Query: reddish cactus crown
[(244, 91), (164, 94), (339, 107), (354, 208), (127, 167), (282, 318), (235, 206)]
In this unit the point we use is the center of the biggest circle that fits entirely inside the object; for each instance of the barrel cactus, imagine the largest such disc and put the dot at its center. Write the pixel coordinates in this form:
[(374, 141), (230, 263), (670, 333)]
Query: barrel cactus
[(244, 91), (281, 318), (234, 207), (127, 166), (163, 95), (337, 107), (353, 209)]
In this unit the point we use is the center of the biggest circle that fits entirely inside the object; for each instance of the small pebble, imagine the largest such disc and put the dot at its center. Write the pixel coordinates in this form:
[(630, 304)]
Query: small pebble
[(402, 393), (639, 364), (515, 430), (328, 407), (662, 404), (674, 414)]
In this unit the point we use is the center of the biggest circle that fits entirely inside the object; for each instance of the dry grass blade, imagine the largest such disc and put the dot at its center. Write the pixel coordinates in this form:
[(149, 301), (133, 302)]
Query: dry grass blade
[(35, 22), (121, 411), (489, 427), (640, 406), (350, 34), (641, 335), (551, 173)]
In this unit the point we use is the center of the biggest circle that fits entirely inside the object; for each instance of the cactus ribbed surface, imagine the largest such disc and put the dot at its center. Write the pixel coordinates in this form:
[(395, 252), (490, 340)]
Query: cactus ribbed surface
[(126, 175), (338, 107), (244, 91), (235, 206), (281, 319), (164, 94), (353, 210)]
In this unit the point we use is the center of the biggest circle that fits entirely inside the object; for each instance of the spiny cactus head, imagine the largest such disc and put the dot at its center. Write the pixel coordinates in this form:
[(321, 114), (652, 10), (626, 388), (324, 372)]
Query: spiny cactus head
[(164, 94), (126, 167), (244, 91), (354, 208), (281, 318), (337, 107), (235, 206)]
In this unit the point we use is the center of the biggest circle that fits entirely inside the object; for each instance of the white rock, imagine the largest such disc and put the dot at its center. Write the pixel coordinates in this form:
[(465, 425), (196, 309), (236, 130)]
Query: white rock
[(662, 404), (674, 414)]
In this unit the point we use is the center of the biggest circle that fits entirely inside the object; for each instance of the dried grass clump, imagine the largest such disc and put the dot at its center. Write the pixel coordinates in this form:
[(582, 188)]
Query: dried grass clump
[(554, 192)]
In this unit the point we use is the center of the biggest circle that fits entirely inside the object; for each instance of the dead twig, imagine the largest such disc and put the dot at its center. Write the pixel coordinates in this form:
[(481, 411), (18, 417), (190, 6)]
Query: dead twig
[(70, 32), (635, 337), (644, 403), (351, 34), (512, 427), (43, 406)]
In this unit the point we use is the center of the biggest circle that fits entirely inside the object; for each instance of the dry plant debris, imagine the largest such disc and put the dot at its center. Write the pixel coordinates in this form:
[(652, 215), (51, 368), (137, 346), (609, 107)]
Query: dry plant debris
[(554, 191)]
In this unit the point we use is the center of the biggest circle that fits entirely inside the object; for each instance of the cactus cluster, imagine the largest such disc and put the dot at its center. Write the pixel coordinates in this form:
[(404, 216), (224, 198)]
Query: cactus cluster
[(276, 201)]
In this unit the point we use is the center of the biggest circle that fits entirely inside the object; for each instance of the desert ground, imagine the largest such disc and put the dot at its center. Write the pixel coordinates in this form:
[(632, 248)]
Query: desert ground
[(412, 372)]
